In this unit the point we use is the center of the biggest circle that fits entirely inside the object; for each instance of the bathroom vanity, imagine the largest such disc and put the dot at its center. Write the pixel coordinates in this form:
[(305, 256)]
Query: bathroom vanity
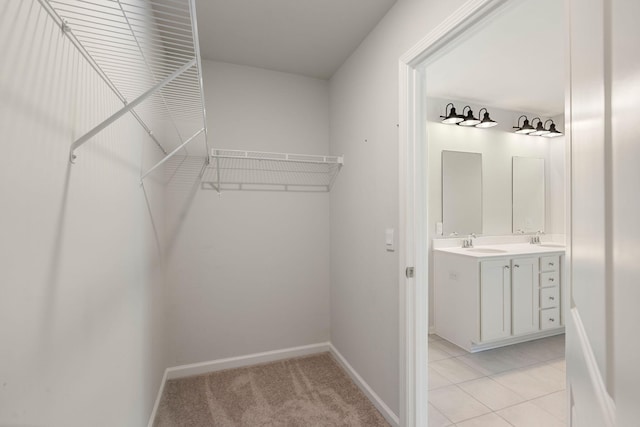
[(496, 295)]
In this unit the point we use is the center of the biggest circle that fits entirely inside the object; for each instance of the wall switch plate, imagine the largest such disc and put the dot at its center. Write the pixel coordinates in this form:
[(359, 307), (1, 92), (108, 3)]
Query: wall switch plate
[(389, 242), (439, 228)]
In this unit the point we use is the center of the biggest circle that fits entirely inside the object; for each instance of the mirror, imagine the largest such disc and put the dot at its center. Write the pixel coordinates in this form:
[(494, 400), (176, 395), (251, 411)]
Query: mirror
[(461, 193), (528, 195)]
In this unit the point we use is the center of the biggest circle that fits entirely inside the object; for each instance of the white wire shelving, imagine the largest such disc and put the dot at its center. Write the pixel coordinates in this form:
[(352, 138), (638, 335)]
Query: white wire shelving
[(148, 54), (265, 171)]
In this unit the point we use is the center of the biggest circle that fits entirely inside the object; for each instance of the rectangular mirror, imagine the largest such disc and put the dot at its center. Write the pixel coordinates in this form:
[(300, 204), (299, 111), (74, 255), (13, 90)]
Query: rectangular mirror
[(461, 193), (528, 195)]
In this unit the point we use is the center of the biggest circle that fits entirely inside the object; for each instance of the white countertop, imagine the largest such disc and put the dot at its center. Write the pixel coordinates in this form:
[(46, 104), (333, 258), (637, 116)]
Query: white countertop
[(509, 250)]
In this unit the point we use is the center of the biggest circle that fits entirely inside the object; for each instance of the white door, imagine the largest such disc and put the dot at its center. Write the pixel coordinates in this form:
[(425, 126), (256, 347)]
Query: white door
[(525, 302), (495, 299), (625, 95), (589, 316)]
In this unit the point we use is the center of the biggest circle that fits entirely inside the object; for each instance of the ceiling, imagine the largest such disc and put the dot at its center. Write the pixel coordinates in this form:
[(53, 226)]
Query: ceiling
[(513, 62), (308, 37)]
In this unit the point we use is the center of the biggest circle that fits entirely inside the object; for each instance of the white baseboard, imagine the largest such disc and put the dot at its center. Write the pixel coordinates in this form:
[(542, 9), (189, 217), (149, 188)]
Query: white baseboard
[(386, 412), (247, 360), (158, 397), (272, 356)]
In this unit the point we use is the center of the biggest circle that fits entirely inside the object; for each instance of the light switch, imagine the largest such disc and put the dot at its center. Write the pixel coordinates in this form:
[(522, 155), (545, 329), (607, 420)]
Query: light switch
[(389, 240)]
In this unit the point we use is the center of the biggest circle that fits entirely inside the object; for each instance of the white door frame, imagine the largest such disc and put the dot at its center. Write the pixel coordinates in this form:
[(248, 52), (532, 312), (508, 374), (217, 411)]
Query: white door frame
[(414, 234)]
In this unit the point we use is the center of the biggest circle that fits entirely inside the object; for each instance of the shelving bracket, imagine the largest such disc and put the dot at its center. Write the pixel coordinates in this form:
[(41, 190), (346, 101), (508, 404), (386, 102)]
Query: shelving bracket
[(128, 107)]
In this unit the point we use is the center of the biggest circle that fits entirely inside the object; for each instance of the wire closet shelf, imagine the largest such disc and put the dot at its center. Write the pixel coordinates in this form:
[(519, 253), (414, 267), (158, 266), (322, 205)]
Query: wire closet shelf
[(147, 53), (266, 171)]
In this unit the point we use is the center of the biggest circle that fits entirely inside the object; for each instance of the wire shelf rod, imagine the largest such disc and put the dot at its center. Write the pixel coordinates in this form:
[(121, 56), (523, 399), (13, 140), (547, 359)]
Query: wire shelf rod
[(168, 156), (196, 42), (276, 159), (153, 74), (127, 68), (126, 109), (128, 57), (149, 40), (132, 5), (130, 11), (76, 11), (93, 41), (178, 5), (74, 20), (81, 27), (93, 64), (133, 45), (94, 13), (156, 52)]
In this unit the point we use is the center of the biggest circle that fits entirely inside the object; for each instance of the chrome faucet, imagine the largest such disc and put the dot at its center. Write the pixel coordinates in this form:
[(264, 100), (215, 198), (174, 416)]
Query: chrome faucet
[(468, 242), (535, 240)]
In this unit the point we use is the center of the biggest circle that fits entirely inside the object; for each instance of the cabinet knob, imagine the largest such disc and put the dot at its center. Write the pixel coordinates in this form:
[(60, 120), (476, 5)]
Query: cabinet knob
[(552, 298), (516, 266), (551, 264), (507, 267), (552, 319), (551, 279)]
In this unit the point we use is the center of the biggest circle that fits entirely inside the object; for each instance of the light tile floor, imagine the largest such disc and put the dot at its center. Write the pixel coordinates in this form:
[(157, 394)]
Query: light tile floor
[(519, 385)]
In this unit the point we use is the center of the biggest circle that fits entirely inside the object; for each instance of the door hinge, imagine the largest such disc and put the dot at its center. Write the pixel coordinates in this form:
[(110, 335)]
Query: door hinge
[(410, 272)]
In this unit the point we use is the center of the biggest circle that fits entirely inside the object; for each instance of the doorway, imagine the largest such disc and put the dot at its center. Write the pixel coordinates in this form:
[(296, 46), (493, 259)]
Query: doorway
[(418, 221)]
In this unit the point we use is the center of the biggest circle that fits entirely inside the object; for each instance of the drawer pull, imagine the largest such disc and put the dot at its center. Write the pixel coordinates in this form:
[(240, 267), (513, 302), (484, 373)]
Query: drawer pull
[(516, 266), (551, 264), (552, 298), (551, 319), (551, 279), (507, 267)]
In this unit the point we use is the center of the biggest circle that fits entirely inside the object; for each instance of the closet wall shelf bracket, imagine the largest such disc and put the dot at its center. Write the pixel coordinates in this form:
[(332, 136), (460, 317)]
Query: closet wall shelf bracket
[(236, 170), (133, 45), (128, 106)]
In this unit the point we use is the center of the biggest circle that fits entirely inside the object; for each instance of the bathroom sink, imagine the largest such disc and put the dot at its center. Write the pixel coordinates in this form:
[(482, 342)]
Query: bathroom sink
[(487, 250), (551, 245)]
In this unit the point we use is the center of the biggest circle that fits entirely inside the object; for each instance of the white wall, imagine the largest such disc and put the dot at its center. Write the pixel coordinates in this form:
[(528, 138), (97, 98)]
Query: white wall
[(249, 271), (364, 200), (82, 298)]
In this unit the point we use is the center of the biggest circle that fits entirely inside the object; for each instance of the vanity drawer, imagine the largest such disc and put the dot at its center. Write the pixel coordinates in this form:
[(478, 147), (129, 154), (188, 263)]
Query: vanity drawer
[(549, 318), (550, 278), (549, 297), (550, 263)]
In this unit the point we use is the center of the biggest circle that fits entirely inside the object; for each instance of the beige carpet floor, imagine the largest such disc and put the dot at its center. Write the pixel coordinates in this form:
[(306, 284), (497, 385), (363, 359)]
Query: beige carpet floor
[(307, 391)]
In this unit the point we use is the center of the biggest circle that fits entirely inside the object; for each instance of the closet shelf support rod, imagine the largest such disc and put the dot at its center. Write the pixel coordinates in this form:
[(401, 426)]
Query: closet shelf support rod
[(128, 107), (168, 156)]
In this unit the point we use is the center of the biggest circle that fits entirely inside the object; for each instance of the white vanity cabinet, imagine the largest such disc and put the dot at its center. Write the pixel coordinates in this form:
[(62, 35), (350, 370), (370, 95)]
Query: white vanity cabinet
[(483, 302), (495, 300)]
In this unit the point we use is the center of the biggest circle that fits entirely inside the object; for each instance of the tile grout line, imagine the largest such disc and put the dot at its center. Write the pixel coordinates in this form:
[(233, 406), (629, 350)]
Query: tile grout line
[(539, 362)]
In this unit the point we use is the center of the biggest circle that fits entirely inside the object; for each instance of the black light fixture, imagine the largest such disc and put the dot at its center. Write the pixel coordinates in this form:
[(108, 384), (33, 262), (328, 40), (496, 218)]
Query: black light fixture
[(452, 118), (526, 128), (552, 132), (486, 121), (540, 130), (469, 119)]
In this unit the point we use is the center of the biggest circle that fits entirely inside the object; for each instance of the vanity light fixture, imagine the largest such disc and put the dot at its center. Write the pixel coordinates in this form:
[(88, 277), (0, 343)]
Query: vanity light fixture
[(552, 132), (540, 130), (469, 119), (526, 128), (486, 121), (452, 118)]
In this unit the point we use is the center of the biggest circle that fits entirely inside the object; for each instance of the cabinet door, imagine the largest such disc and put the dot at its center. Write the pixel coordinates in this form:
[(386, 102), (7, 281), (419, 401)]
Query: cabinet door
[(495, 299), (524, 295)]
